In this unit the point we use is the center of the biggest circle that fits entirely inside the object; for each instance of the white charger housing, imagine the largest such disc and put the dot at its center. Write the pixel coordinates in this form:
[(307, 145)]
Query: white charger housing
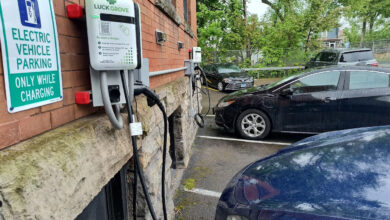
[(197, 54), (112, 34)]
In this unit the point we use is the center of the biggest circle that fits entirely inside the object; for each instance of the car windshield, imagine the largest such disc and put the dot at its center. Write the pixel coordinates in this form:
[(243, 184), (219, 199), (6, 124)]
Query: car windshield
[(228, 69), (284, 80)]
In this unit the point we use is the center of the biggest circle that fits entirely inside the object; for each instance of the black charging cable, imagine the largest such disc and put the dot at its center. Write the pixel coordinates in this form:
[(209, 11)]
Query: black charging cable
[(198, 117), (135, 151), (152, 100)]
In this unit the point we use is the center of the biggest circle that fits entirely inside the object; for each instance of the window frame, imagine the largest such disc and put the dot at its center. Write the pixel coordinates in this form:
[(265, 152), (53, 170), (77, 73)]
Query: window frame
[(185, 11), (348, 79), (340, 84)]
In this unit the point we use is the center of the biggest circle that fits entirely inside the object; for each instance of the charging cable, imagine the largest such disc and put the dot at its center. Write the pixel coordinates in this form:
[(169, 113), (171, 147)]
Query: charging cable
[(115, 117), (152, 100), (135, 151), (198, 117)]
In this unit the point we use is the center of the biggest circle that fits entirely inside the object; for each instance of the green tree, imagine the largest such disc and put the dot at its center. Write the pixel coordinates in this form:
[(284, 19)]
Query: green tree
[(368, 12), (291, 28)]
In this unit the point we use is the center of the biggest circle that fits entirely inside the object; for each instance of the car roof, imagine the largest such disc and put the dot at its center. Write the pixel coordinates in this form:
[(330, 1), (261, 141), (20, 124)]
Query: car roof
[(346, 50), (346, 68), (329, 68)]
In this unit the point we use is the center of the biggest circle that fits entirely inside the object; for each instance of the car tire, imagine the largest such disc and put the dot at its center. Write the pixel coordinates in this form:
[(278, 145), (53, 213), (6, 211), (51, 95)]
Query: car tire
[(221, 87), (253, 124)]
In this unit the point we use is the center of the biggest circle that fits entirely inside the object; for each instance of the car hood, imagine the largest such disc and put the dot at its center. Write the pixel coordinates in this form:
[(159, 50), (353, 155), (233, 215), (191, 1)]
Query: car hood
[(244, 92), (235, 75), (341, 174)]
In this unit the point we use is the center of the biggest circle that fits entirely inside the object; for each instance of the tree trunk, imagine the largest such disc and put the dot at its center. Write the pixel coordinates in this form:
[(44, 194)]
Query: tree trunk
[(244, 9), (308, 39), (275, 8), (364, 29)]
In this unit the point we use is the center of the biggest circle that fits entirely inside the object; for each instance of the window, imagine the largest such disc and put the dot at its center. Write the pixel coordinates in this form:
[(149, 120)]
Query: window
[(368, 80), (357, 56), (325, 81), (185, 7), (326, 57)]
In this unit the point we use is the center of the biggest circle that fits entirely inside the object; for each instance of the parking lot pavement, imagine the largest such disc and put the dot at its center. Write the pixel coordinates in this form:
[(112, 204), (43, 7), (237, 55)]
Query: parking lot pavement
[(216, 157)]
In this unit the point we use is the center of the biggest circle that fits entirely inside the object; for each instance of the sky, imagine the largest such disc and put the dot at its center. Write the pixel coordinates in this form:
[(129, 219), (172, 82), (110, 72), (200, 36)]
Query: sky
[(256, 7)]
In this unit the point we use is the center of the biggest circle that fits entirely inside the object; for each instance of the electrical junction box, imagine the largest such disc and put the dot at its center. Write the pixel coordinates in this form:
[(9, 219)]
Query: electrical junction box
[(197, 54), (113, 34)]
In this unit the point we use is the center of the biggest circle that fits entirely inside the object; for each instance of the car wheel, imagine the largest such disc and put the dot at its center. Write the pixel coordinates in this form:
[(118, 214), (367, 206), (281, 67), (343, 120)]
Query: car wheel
[(220, 87), (253, 124)]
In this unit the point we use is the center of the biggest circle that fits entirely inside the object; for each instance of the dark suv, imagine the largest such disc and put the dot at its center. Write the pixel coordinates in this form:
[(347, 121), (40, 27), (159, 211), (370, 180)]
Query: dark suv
[(348, 57)]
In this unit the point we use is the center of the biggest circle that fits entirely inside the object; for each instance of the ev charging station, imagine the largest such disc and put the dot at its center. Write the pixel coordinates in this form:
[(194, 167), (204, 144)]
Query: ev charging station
[(114, 46), (114, 36)]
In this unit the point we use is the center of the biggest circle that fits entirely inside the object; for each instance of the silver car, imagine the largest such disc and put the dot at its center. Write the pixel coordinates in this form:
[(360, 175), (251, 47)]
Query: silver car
[(343, 57)]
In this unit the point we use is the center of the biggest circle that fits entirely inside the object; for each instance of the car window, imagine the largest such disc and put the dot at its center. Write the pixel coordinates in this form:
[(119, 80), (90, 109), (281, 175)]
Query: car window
[(326, 57), (228, 69), (368, 80), (357, 56), (325, 81)]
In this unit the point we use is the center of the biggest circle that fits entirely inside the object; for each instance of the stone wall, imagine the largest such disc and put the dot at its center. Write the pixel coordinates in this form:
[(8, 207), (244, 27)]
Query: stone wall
[(56, 174)]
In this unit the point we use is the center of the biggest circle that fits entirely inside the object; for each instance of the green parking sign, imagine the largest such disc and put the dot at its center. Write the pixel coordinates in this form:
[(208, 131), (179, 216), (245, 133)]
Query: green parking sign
[(32, 70)]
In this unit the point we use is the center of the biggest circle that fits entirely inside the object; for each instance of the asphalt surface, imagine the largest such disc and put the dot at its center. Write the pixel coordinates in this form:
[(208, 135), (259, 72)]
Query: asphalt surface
[(216, 157)]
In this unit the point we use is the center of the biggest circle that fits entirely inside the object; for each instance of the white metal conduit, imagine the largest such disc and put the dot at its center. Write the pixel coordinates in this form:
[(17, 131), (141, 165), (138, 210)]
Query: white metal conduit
[(161, 72)]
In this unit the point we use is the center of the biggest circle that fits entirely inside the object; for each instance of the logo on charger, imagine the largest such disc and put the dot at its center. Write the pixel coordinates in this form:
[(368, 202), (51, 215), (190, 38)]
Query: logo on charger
[(29, 13), (111, 2)]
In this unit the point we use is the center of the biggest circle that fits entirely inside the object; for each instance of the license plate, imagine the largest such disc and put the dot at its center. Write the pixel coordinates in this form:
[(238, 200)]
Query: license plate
[(243, 85)]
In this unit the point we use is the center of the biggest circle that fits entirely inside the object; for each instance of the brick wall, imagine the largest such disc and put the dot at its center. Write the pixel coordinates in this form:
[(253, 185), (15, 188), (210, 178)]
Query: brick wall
[(75, 68)]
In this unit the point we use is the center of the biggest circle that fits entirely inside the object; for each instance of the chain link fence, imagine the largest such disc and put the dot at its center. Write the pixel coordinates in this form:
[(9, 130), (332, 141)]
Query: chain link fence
[(256, 58), (256, 61), (296, 57)]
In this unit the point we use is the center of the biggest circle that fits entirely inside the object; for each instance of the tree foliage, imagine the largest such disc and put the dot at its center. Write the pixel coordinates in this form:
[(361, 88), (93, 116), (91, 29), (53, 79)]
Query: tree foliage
[(366, 12), (289, 32)]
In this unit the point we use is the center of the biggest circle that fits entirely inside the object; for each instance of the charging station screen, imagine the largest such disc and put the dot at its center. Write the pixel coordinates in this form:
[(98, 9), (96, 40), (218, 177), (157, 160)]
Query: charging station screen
[(111, 34), (117, 18)]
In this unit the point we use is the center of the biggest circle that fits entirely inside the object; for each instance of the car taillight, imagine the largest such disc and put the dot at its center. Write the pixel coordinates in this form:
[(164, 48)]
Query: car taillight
[(375, 64)]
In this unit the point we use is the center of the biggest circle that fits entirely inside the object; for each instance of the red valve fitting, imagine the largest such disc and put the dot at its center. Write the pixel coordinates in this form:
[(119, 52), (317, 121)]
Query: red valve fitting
[(74, 11), (83, 98)]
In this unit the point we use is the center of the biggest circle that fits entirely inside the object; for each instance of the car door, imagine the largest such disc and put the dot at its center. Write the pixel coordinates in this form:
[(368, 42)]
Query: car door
[(313, 105), (213, 76), (366, 99), (209, 74)]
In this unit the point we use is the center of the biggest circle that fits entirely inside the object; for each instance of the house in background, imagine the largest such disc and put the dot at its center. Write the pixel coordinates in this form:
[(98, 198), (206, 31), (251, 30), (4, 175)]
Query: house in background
[(333, 38)]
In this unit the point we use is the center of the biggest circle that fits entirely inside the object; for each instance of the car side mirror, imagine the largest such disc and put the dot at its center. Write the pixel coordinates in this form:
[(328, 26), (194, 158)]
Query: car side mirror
[(287, 92)]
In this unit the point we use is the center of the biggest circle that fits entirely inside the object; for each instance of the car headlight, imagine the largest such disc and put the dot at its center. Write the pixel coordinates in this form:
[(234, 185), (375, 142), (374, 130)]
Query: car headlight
[(236, 217), (225, 103), (228, 80), (249, 80)]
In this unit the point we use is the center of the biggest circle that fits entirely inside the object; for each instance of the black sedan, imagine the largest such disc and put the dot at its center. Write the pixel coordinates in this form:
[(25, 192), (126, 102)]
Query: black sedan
[(227, 77), (310, 102), (332, 176)]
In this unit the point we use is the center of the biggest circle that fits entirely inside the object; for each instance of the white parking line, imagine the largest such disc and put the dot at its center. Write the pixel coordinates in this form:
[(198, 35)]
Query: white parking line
[(204, 192), (243, 140)]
